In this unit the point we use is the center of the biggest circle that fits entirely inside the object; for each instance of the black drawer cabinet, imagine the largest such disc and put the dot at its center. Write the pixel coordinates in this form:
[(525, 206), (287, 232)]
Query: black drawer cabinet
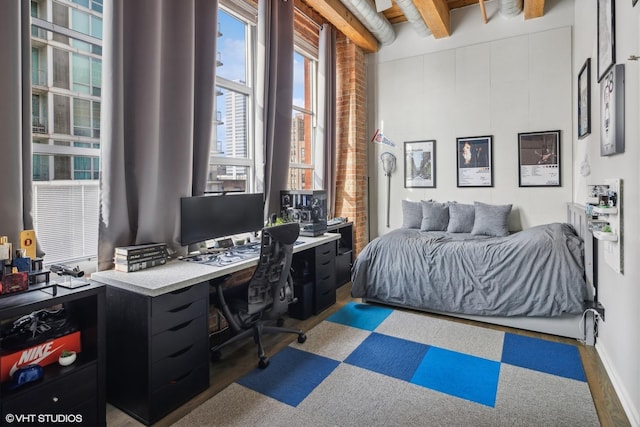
[(314, 278), (325, 277), (170, 363), (344, 254), (69, 395)]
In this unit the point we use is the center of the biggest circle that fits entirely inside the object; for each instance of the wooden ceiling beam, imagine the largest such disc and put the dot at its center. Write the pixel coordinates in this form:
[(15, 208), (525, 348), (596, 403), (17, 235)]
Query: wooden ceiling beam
[(345, 22), (435, 13), (533, 9)]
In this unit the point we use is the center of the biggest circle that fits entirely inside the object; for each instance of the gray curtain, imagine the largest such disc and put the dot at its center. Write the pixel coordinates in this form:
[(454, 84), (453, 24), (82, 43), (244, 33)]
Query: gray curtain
[(159, 78), (274, 99), (15, 121), (327, 111)]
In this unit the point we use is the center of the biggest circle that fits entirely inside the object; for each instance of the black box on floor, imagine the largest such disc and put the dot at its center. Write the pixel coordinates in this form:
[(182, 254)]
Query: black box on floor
[(303, 308)]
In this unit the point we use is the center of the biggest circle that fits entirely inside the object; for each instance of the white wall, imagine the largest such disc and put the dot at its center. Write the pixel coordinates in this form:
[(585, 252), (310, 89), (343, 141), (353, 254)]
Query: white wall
[(500, 78), (619, 338), (505, 77)]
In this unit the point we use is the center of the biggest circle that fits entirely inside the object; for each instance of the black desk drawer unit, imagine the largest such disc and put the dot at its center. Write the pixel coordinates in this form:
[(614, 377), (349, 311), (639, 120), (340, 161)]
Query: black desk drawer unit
[(170, 363), (325, 277), (66, 395)]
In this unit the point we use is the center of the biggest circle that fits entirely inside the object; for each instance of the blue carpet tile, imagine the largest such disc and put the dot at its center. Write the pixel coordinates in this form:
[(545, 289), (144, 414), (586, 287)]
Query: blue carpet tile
[(543, 356), (389, 356), (362, 316), (293, 374)]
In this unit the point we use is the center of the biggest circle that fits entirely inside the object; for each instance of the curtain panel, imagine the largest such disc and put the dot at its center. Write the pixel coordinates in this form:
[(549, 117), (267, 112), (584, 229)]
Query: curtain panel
[(15, 121), (159, 83), (274, 101), (327, 112)]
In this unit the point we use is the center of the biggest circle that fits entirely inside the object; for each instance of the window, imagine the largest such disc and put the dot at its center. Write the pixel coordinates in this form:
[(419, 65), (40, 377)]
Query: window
[(301, 165), (231, 165), (66, 88)]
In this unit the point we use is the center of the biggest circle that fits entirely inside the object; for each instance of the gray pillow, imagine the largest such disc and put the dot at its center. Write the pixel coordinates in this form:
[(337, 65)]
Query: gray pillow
[(435, 216), (491, 220), (461, 218), (411, 214)]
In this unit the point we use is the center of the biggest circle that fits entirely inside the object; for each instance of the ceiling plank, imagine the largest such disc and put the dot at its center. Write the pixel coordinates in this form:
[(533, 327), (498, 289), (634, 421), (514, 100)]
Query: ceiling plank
[(342, 18), (435, 14), (533, 9)]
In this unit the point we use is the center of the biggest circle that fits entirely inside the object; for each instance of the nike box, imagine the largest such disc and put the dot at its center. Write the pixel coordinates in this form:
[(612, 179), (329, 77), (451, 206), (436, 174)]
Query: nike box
[(43, 354)]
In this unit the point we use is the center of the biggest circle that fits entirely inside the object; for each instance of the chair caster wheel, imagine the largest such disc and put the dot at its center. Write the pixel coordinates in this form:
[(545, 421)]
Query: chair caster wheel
[(280, 322), (263, 363), (215, 355), (302, 338)]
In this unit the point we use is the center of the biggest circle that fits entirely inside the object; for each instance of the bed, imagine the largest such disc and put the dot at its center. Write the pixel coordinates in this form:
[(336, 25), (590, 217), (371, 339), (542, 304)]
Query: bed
[(532, 279)]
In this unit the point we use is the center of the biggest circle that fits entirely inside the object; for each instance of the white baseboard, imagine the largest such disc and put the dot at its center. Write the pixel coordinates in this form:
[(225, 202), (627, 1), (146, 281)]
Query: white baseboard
[(621, 391)]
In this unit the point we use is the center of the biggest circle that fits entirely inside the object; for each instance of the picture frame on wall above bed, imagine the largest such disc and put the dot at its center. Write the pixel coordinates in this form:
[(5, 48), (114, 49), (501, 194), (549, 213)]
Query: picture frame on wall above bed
[(420, 164), (584, 100), (475, 161), (539, 162), (606, 37)]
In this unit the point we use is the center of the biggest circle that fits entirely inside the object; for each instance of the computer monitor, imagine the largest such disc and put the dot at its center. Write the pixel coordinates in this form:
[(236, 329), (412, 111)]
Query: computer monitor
[(209, 217)]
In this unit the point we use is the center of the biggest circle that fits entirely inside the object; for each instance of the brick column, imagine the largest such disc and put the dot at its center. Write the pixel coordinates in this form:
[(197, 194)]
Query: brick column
[(351, 168)]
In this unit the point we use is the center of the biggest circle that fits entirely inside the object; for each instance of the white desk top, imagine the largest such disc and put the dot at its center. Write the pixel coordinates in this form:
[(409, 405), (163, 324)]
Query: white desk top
[(177, 274)]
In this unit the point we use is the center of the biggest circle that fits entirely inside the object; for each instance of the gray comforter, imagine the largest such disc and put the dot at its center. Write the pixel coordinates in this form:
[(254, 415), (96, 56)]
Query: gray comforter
[(534, 272)]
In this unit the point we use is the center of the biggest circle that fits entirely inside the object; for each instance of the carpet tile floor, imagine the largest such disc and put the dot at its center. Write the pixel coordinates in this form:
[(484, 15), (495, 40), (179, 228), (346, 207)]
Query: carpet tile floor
[(296, 371)]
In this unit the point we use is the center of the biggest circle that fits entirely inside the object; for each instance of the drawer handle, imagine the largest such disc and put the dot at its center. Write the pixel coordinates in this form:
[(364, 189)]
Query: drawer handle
[(326, 263), (326, 277), (181, 352), (180, 378), (179, 291), (182, 307), (181, 326), (326, 252)]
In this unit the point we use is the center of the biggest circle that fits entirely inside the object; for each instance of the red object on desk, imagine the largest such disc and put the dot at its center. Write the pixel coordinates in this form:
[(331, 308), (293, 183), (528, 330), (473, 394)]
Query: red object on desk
[(15, 282)]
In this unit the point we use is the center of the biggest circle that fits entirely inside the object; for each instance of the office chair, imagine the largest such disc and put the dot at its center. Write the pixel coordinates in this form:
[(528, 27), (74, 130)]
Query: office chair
[(265, 297)]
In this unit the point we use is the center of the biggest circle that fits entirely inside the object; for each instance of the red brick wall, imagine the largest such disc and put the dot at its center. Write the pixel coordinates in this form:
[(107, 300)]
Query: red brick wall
[(351, 191)]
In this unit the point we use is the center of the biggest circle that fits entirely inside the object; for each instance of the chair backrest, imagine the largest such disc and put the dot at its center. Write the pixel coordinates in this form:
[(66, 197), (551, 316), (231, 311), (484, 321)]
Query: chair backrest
[(270, 290)]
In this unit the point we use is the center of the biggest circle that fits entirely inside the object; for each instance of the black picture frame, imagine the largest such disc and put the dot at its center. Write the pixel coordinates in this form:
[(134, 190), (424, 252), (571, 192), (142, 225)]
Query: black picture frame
[(584, 100), (606, 37), (612, 113), (420, 164), (539, 159), (474, 161)]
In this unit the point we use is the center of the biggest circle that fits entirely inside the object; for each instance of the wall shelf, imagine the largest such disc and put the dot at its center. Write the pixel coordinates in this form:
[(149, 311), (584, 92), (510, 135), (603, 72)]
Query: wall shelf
[(605, 236), (604, 210)]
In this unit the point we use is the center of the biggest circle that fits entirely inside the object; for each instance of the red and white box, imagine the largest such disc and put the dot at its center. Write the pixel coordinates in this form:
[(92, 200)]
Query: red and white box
[(42, 354)]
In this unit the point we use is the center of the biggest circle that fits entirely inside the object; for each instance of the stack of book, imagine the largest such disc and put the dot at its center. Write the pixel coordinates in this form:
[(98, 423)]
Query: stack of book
[(139, 257)]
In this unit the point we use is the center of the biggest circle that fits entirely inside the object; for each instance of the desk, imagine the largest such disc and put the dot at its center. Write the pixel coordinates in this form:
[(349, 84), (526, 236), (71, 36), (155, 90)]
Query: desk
[(158, 330)]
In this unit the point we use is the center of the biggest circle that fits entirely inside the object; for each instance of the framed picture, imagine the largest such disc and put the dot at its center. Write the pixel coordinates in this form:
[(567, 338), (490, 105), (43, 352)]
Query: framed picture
[(539, 159), (474, 161), (606, 37), (612, 112), (584, 100), (420, 164)]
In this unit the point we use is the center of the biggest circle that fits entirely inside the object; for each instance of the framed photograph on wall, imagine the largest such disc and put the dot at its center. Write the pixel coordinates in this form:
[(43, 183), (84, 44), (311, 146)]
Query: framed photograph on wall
[(420, 164), (606, 37), (612, 112), (539, 159), (584, 100), (474, 161)]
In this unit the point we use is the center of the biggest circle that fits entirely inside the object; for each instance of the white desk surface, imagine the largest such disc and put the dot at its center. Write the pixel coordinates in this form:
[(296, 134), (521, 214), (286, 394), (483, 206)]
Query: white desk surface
[(177, 274)]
